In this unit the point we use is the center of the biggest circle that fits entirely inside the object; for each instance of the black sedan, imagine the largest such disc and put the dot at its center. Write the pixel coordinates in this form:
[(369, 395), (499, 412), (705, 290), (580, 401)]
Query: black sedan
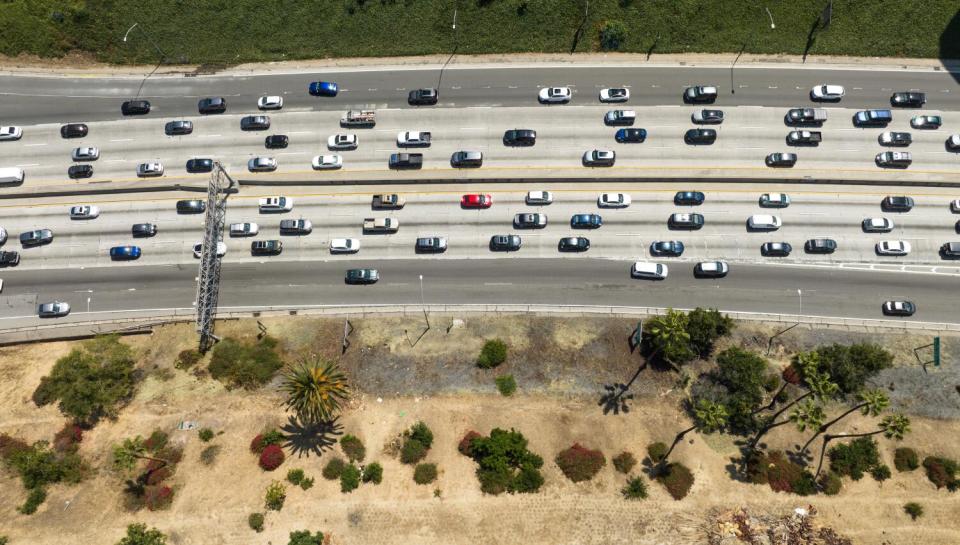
[(908, 99), (899, 308), (775, 249), (574, 244), (505, 243), (689, 198), (700, 136), (672, 248)]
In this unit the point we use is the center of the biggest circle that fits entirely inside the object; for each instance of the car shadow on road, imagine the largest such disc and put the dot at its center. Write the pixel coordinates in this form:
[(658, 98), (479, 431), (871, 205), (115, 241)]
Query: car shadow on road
[(305, 439)]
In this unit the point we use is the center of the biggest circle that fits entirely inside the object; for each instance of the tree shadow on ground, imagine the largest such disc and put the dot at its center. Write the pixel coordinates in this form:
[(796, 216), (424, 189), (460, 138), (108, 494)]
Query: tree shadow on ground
[(949, 52), (304, 439)]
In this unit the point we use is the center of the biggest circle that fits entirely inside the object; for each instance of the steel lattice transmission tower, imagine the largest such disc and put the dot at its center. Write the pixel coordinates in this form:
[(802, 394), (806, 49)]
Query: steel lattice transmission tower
[(208, 281)]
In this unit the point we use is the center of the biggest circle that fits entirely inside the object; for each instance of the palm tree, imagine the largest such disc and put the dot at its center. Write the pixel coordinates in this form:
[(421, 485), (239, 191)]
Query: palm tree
[(893, 426), (872, 403), (126, 454), (819, 386), (708, 417), (670, 338), (315, 390)]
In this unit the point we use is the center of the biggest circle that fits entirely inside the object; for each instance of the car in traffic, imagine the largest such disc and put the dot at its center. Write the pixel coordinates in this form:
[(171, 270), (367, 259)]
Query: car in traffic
[(827, 93), (804, 138), (801, 117), (613, 200), (955, 206), (191, 206), (344, 245), (649, 271), (271, 205), (505, 243), (707, 117), (276, 141), (898, 308), (700, 94), (125, 253), (630, 136), (342, 141), (700, 136), (255, 123), (537, 198), (683, 220), (178, 128), (270, 102), (775, 249), (877, 225), (323, 89), (689, 198), (780, 159), (950, 250), (74, 130), (894, 159), (911, 99), (897, 203), (764, 222), (820, 246), (671, 248), (3, 236), (10, 133), (895, 138), (614, 94), (297, 227), (620, 117), (212, 105), (893, 247), (476, 200), (150, 170), (196, 165), (774, 200), (327, 162), (198, 249), (405, 160), (143, 230), (245, 229), (530, 221), (926, 122), (573, 244), (430, 245), (466, 159), (88, 153), (423, 97), (262, 164), (361, 276), (9, 258), (135, 107), (555, 95), (520, 137), (266, 247), (586, 221), (711, 269), (80, 171), (599, 158), (55, 309), (84, 212), (872, 118), (36, 237), (953, 142)]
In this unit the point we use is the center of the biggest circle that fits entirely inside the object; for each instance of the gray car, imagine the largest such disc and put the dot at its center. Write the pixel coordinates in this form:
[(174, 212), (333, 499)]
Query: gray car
[(56, 309)]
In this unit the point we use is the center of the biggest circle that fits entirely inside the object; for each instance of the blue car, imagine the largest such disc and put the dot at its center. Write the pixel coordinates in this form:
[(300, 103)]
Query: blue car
[(625, 136), (124, 252), (689, 198), (586, 221), (324, 89), (673, 248)]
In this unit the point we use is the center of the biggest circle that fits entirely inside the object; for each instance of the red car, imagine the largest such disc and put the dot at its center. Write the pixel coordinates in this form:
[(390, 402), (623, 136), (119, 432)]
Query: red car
[(476, 201)]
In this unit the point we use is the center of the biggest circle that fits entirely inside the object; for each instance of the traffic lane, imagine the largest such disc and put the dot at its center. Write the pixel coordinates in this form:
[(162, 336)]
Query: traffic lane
[(45, 99)]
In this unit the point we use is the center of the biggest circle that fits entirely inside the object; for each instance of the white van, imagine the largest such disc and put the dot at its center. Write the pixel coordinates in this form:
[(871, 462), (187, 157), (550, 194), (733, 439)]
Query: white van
[(11, 176), (764, 222)]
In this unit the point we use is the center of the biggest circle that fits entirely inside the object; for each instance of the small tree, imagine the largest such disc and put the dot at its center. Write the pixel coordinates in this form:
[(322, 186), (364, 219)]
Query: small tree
[(914, 509), (315, 390), (126, 454), (669, 339), (580, 463), (635, 489), (624, 462), (349, 478), (138, 534), (275, 496), (425, 473), (303, 537), (255, 521), (506, 384), (493, 353), (373, 473), (353, 447)]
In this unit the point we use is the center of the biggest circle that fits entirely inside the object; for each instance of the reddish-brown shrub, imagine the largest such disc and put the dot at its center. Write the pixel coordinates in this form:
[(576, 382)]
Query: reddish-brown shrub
[(153, 465), (256, 446), (579, 463), (10, 445), (159, 475), (466, 444), (158, 497), (791, 375), (677, 479), (157, 440), (271, 457), (171, 454), (67, 438)]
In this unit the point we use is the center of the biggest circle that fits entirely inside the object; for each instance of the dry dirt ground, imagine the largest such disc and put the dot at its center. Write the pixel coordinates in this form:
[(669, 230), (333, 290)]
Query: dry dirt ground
[(560, 366)]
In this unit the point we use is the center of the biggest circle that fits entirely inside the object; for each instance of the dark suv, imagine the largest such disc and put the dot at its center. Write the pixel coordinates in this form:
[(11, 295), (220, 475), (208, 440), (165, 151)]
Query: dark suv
[(200, 165), (908, 100), (820, 246), (36, 238), (144, 230), (80, 171), (700, 136), (505, 243), (266, 247), (9, 259), (520, 137), (177, 128), (897, 203), (212, 105), (194, 206), (135, 107), (74, 130), (423, 97), (466, 159)]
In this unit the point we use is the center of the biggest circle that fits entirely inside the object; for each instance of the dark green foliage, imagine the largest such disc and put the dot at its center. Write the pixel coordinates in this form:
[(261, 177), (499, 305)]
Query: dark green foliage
[(91, 381), (295, 476), (656, 452), (425, 473), (272, 436), (4, 540), (303, 537), (187, 358), (333, 469), (420, 432), (613, 34), (353, 447), (831, 483), (635, 489), (743, 374), (914, 509), (349, 478), (854, 458), (880, 473), (851, 366), (209, 455), (905, 459), (373, 473), (942, 472), (255, 521), (506, 385), (781, 474), (306, 483), (206, 434), (412, 451), (493, 353), (624, 462), (157, 440), (245, 364), (38, 465), (35, 497), (705, 326), (138, 534), (580, 463), (677, 479), (505, 464)]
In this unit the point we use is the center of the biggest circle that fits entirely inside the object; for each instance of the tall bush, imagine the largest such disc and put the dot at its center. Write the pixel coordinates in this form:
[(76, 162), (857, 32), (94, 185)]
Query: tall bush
[(905, 459), (493, 353), (580, 463), (505, 463), (245, 364), (271, 457)]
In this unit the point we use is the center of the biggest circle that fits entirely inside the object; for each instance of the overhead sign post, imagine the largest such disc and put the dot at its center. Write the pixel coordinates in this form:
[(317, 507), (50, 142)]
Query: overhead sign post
[(936, 351), (637, 336)]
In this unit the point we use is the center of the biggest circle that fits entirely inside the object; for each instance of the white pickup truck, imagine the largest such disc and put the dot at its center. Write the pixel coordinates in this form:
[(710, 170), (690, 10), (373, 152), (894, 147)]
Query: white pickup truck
[(413, 138), (380, 225)]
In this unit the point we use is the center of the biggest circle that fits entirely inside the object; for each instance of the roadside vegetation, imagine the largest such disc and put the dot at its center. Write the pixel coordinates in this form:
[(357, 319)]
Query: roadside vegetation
[(272, 30)]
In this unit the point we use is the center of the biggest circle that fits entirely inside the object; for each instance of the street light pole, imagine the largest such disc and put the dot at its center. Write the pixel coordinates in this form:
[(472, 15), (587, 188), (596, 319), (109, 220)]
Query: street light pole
[(163, 55), (800, 293), (423, 304)]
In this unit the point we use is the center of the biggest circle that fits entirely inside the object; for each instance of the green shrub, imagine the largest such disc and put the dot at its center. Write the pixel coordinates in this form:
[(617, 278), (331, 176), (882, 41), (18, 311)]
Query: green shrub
[(275, 496), (493, 353), (412, 451), (209, 455), (373, 473), (506, 385), (349, 478), (4, 540), (206, 434), (505, 463), (295, 476), (306, 483), (38, 465), (854, 458), (677, 479), (624, 462), (528, 479), (303, 537), (353, 448), (942, 472), (580, 463), (612, 35), (851, 366), (255, 520), (905, 459), (157, 440), (333, 469), (272, 436), (245, 364), (635, 489), (880, 473), (656, 452), (831, 483), (425, 473), (35, 498), (705, 326), (187, 358), (420, 432), (138, 534), (914, 509)]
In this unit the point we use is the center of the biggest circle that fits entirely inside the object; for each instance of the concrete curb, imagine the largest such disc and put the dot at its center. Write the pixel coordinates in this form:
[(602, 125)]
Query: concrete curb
[(96, 188)]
